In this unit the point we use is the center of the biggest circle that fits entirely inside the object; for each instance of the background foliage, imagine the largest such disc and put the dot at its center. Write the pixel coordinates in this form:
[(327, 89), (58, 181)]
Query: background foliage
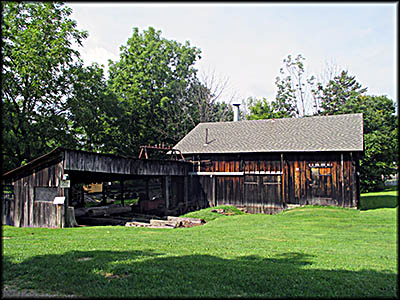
[(38, 62), (341, 94), (153, 94)]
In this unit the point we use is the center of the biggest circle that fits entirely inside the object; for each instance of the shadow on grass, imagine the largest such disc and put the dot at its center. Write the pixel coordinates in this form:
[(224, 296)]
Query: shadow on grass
[(149, 274), (381, 201)]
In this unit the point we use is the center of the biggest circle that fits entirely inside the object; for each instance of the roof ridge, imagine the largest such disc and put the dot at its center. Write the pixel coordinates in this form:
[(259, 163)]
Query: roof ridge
[(276, 119), (342, 132)]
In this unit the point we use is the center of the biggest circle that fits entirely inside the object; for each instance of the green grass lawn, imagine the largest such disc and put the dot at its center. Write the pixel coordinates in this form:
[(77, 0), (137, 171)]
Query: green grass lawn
[(303, 252), (385, 199)]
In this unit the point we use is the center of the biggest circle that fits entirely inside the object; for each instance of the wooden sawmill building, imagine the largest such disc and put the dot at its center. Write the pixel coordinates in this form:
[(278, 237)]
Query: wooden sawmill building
[(46, 191), (262, 166)]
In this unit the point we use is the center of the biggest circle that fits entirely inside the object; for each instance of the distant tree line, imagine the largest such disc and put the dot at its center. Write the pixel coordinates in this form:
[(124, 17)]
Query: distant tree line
[(298, 96), (152, 94)]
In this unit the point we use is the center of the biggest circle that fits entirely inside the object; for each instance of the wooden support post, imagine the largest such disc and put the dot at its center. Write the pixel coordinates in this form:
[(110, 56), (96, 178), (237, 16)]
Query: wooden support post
[(62, 209), (342, 169), (282, 179), (122, 192), (59, 217), (82, 196), (104, 198), (147, 188), (214, 190), (185, 190), (166, 191)]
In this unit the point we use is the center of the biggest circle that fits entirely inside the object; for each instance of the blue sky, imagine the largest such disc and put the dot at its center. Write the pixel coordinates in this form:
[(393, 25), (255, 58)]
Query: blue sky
[(246, 43)]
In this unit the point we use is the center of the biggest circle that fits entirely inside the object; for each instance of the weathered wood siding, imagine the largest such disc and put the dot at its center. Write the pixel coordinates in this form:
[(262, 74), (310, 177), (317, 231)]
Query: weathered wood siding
[(110, 164), (266, 182), (29, 212), (251, 181), (46, 173), (321, 179)]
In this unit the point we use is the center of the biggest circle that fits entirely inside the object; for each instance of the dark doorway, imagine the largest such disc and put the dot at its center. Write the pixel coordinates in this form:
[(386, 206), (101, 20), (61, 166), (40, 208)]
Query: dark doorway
[(321, 186)]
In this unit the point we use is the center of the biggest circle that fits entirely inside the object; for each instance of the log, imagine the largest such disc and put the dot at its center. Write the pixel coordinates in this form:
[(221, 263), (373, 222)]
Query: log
[(138, 219), (193, 220), (97, 212), (80, 212), (108, 210), (148, 225), (187, 222), (160, 223), (137, 224), (118, 210)]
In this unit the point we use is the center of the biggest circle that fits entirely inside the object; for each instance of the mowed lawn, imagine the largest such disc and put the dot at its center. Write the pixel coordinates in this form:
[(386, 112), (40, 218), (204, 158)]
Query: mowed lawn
[(304, 252)]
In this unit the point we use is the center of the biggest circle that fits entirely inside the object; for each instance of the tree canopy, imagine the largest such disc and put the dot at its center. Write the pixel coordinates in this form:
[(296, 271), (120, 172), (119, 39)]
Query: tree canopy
[(38, 62), (159, 95), (153, 94), (342, 94), (50, 98)]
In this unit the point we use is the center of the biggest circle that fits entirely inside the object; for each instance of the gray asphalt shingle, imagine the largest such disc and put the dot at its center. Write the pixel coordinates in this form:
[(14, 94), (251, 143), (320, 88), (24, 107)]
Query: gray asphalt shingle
[(309, 134)]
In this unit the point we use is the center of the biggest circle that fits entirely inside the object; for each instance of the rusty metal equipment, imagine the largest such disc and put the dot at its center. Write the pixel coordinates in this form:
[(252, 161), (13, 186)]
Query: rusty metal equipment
[(175, 154)]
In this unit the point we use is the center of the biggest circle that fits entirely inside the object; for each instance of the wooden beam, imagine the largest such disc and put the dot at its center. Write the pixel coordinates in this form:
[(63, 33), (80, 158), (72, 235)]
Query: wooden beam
[(217, 173)]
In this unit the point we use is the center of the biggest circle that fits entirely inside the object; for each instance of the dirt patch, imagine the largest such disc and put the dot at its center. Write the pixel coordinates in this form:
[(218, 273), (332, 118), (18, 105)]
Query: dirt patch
[(12, 292)]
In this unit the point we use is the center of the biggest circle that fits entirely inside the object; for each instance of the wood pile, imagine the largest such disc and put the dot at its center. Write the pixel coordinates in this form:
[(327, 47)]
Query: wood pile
[(122, 215), (171, 222), (222, 212), (187, 222)]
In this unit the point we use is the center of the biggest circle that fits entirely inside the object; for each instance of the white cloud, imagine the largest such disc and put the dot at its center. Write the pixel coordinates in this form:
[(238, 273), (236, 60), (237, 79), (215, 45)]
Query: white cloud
[(247, 43), (99, 55)]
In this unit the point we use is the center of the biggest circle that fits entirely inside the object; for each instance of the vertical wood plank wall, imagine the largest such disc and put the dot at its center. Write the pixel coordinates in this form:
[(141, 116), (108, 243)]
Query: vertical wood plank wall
[(30, 213), (294, 185)]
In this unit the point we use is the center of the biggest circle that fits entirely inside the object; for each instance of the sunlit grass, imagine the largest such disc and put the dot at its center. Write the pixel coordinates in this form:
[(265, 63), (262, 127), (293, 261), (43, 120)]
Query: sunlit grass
[(304, 252)]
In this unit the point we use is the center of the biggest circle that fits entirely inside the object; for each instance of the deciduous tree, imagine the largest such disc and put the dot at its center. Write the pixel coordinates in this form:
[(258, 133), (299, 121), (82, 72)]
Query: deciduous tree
[(36, 76), (147, 80), (293, 97), (343, 95), (260, 109)]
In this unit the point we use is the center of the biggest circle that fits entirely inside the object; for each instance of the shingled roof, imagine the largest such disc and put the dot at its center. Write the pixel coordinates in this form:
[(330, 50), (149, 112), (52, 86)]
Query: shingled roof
[(309, 134)]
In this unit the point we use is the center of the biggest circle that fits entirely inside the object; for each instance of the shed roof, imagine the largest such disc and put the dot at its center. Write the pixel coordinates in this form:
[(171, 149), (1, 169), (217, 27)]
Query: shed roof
[(308, 134), (95, 164)]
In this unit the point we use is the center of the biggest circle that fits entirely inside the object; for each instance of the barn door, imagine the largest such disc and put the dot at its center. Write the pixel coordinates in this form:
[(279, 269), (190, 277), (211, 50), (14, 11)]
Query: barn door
[(251, 191), (271, 190), (263, 190), (321, 186)]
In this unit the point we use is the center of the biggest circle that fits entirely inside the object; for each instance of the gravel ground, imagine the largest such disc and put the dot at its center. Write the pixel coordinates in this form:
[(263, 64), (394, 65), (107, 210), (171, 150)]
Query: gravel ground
[(10, 292)]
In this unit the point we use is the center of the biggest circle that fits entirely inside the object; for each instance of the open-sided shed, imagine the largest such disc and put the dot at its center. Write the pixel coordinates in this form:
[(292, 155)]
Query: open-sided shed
[(42, 189)]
